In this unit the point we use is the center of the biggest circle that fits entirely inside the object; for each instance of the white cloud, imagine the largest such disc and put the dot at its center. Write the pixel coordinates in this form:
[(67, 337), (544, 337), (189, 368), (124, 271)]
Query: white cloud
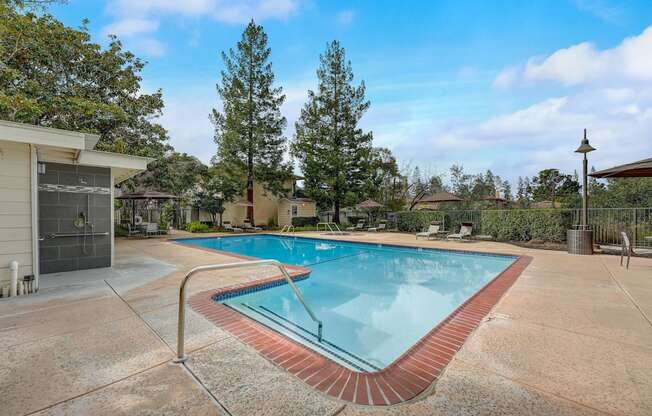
[(228, 11), (601, 9), (135, 18), (345, 17), (130, 27), (631, 61)]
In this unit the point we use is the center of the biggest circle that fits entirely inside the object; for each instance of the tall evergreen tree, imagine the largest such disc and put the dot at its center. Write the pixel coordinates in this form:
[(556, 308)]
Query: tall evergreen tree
[(331, 149), (249, 129)]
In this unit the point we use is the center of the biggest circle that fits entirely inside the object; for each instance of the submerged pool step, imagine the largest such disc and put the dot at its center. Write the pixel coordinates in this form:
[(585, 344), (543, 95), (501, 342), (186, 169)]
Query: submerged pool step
[(304, 336)]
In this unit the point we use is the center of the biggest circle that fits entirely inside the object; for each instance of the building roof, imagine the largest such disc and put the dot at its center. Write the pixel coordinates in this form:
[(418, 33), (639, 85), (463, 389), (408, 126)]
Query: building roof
[(64, 146), (642, 168), (440, 197)]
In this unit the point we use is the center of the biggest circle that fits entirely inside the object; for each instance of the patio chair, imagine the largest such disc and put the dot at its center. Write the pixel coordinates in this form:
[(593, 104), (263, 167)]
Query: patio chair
[(247, 227), (382, 226), (152, 229), (132, 230), (626, 249), (465, 232), (358, 227), (228, 227), (433, 230)]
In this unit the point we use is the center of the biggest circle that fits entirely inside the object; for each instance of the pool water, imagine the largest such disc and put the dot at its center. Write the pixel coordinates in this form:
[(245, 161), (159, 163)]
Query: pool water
[(375, 301)]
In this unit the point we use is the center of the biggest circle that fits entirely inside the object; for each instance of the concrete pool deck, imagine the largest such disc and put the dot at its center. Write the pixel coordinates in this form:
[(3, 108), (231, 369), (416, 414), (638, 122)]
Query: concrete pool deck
[(572, 336)]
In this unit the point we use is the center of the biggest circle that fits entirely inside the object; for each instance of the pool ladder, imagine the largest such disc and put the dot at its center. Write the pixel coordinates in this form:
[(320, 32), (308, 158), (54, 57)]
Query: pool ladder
[(181, 357), (287, 228), (331, 226)]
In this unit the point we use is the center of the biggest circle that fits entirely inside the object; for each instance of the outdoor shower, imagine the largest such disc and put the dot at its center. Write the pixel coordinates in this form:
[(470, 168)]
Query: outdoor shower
[(81, 222)]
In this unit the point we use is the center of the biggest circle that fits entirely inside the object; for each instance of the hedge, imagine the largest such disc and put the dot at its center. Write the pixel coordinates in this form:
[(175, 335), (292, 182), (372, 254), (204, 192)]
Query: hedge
[(527, 224), (414, 221), (505, 225), (305, 221)]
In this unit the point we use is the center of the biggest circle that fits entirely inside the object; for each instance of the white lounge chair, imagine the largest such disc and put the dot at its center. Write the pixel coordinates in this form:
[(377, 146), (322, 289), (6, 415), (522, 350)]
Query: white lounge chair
[(433, 230), (247, 227), (465, 231), (228, 227), (358, 227), (382, 226)]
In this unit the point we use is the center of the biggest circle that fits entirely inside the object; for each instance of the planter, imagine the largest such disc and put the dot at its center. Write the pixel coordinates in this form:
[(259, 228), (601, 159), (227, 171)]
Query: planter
[(580, 241)]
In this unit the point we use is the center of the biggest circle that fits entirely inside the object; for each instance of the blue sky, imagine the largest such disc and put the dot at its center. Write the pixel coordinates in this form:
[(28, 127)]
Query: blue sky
[(501, 85)]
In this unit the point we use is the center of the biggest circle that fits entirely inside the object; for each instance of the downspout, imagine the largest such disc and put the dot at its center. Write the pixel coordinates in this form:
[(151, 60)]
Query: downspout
[(35, 213)]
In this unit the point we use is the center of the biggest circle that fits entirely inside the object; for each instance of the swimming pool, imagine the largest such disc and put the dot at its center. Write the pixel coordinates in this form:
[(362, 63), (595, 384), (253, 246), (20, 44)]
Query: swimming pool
[(375, 301)]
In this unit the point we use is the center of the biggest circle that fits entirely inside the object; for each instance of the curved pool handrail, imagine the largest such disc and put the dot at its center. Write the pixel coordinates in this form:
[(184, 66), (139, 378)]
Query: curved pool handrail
[(181, 357)]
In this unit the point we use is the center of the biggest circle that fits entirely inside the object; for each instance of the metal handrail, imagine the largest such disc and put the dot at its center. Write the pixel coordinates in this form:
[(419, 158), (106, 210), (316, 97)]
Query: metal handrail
[(286, 228), (181, 357)]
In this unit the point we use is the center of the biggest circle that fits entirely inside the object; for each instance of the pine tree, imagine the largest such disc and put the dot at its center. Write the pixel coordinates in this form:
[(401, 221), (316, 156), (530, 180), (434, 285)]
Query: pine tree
[(330, 147), (249, 129)]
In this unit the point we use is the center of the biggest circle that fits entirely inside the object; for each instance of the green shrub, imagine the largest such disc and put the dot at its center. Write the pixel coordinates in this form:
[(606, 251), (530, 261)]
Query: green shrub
[(527, 224), (271, 223), (305, 221), (197, 227), (413, 221)]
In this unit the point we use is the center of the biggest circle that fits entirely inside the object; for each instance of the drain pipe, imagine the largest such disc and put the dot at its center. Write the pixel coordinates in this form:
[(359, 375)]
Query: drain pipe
[(13, 287)]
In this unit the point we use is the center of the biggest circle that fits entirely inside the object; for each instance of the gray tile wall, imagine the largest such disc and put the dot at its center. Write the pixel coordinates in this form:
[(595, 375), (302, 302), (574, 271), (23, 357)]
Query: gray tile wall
[(57, 211)]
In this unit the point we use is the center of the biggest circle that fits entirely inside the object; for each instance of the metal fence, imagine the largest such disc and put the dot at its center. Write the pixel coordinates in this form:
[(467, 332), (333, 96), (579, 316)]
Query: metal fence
[(607, 223)]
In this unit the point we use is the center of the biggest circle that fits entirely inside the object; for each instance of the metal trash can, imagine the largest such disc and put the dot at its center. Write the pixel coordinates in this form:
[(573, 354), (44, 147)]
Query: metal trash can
[(580, 241)]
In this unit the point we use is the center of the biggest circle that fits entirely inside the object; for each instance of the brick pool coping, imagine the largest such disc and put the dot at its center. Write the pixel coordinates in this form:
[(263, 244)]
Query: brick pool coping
[(404, 379)]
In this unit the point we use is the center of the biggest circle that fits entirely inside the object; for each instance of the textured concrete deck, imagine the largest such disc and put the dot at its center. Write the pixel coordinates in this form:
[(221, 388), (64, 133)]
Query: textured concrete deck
[(572, 336)]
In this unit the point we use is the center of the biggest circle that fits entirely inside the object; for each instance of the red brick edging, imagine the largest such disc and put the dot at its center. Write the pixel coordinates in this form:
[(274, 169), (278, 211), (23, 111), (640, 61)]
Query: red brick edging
[(404, 379)]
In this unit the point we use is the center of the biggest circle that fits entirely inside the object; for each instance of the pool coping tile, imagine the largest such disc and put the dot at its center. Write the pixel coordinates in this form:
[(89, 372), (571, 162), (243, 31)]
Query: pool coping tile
[(404, 379)]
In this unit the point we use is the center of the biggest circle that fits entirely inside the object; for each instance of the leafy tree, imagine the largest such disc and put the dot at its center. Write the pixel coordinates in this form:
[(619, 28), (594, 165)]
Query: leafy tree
[(331, 148), (176, 173), (218, 186), (55, 76), (421, 185), (249, 129), (385, 182), (552, 185)]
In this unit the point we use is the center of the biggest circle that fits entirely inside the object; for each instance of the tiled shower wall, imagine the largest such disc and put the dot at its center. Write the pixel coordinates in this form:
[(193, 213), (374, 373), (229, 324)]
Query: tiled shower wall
[(64, 192)]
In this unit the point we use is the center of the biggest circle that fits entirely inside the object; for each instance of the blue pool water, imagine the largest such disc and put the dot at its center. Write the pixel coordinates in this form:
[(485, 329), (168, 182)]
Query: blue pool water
[(375, 301)]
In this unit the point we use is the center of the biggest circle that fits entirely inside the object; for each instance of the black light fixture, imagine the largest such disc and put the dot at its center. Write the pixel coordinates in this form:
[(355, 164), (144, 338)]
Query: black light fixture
[(585, 148)]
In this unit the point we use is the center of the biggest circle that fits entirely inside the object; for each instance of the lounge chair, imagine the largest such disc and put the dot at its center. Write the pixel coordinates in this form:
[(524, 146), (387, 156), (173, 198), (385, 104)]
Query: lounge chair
[(382, 226), (465, 232), (132, 230), (358, 227), (432, 231), (228, 227), (247, 227)]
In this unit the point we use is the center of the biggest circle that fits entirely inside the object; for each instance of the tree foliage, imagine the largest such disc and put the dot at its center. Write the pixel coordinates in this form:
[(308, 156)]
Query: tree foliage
[(217, 187), (55, 76), (249, 129), (332, 150)]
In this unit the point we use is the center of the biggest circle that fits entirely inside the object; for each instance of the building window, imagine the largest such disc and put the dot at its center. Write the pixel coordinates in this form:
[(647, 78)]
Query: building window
[(295, 211)]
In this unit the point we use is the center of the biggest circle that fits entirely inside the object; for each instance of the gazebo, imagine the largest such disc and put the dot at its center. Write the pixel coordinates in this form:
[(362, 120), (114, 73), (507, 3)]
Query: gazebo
[(144, 196), (433, 200)]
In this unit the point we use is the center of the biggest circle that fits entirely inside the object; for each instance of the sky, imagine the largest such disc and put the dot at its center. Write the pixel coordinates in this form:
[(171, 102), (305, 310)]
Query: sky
[(501, 85)]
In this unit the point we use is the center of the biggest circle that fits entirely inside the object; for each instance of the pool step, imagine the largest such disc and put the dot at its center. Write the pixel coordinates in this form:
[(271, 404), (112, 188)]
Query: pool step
[(304, 336)]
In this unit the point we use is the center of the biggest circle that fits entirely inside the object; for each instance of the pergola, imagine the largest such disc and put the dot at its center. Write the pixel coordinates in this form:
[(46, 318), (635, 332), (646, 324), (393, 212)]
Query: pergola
[(640, 169), (144, 196)]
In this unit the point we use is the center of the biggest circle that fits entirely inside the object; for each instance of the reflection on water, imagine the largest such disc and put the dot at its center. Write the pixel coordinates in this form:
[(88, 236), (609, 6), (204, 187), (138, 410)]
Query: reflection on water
[(374, 301)]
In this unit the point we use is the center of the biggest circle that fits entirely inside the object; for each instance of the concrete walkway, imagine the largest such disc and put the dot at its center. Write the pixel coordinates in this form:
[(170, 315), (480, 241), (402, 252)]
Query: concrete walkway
[(572, 336)]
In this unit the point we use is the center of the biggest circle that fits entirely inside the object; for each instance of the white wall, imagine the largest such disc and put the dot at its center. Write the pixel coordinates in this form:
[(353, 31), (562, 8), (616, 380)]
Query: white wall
[(15, 209)]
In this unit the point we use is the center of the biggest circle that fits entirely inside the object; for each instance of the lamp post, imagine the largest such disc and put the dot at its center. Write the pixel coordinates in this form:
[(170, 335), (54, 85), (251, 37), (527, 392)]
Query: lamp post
[(585, 148), (580, 240)]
